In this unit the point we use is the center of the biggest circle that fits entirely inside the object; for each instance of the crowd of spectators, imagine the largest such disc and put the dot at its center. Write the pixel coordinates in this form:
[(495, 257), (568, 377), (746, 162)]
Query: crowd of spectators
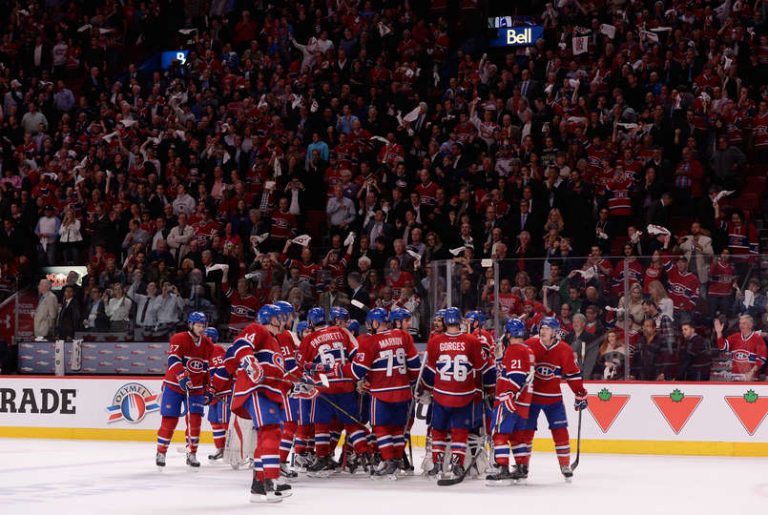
[(330, 152)]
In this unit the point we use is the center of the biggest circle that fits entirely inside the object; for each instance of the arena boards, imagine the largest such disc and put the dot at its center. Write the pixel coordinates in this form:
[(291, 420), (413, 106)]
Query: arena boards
[(715, 419)]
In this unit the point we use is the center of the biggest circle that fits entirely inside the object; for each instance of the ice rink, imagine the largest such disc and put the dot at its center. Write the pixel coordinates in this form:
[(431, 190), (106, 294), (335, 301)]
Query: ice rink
[(61, 476)]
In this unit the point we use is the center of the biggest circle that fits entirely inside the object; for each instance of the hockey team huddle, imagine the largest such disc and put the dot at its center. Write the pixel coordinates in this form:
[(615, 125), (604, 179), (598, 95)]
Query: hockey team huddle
[(300, 391)]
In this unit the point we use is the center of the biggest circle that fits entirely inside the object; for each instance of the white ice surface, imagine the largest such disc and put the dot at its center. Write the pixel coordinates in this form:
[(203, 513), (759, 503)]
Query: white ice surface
[(59, 477)]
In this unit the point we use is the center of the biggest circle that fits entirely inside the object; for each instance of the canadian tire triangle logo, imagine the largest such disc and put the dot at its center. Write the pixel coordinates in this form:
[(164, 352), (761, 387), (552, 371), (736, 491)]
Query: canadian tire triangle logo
[(605, 407), (750, 409), (677, 408)]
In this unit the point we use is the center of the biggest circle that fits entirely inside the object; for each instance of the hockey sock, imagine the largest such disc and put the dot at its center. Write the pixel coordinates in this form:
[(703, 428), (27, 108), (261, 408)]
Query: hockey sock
[(384, 442), (286, 440), (459, 439), (357, 438), (438, 443), (301, 442), (521, 450), (258, 466), (334, 442), (268, 449), (373, 443), (526, 437), (193, 431), (562, 445), (219, 434), (398, 439), (322, 440), (501, 449), (165, 433)]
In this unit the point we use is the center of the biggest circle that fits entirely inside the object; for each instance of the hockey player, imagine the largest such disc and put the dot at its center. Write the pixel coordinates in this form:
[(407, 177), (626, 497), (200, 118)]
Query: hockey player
[(513, 399), (455, 367), (288, 344), (390, 362), (185, 380), (260, 394), (475, 320), (438, 325), (554, 360), (400, 319), (304, 441), (218, 399), (322, 349)]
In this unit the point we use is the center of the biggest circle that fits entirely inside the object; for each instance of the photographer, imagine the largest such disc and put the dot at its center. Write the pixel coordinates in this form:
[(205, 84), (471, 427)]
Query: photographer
[(170, 308)]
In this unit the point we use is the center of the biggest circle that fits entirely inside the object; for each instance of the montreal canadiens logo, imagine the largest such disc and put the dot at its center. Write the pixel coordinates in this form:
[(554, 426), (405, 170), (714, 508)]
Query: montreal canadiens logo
[(740, 355), (131, 403), (545, 371), (195, 365)]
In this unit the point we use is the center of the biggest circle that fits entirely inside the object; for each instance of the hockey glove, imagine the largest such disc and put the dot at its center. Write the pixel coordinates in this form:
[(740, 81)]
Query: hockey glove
[(507, 402), (253, 369), (581, 401), (303, 391), (209, 396), (184, 380)]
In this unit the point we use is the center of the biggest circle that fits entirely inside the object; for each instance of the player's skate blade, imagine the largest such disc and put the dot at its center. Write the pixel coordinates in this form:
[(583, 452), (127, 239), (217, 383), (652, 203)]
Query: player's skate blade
[(286, 471), (160, 461), (219, 454), (265, 492), (567, 473), (386, 470), (192, 463), (501, 478)]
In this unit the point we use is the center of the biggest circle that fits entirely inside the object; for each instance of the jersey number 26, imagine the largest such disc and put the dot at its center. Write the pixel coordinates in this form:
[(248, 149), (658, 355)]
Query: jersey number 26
[(453, 368)]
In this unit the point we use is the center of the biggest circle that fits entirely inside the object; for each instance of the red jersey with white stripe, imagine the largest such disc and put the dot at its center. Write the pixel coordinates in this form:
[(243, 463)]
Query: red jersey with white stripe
[(390, 363), (328, 346), (242, 308), (190, 354), (454, 362), (307, 271), (553, 364), (219, 380), (721, 276), (515, 375), (427, 193), (746, 353), (288, 344), (486, 341), (683, 288), (255, 340), (283, 225), (760, 130)]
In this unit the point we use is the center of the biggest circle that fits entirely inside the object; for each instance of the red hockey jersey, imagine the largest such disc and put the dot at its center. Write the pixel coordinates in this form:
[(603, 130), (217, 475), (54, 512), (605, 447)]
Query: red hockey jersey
[(185, 352), (746, 353), (454, 368), (219, 379), (328, 346), (515, 374), (390, 363), (553, 364), (256, 340), (683, 288), (288, 343)]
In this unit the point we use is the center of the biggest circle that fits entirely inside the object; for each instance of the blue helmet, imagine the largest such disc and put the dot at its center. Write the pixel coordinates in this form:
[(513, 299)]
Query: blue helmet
[(301, 327), (316, 317), (267, 312), (354, 327), (477, 316), (399, 314), (440, 313), (338, 313), (515, 328), (286, 308), (452, 316), (212, 333), (376, 315), (550, 322), (197, 317)]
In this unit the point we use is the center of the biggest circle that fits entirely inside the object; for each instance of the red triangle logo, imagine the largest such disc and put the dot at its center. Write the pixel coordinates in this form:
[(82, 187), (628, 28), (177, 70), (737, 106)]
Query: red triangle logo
[(677, 408), (605, 407), (750, 409)]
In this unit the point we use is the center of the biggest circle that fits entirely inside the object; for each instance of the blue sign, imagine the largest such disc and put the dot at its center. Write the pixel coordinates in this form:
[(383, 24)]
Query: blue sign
[(525, 35), (166, 58)]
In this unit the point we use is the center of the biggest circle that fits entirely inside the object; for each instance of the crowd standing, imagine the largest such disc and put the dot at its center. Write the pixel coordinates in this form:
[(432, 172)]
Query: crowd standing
[(327, 153)]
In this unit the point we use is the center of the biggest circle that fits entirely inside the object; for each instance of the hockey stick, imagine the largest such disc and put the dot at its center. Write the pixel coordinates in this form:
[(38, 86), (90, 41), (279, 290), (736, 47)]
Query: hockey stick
[(581, 412), (411, 406), (475, 455)]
